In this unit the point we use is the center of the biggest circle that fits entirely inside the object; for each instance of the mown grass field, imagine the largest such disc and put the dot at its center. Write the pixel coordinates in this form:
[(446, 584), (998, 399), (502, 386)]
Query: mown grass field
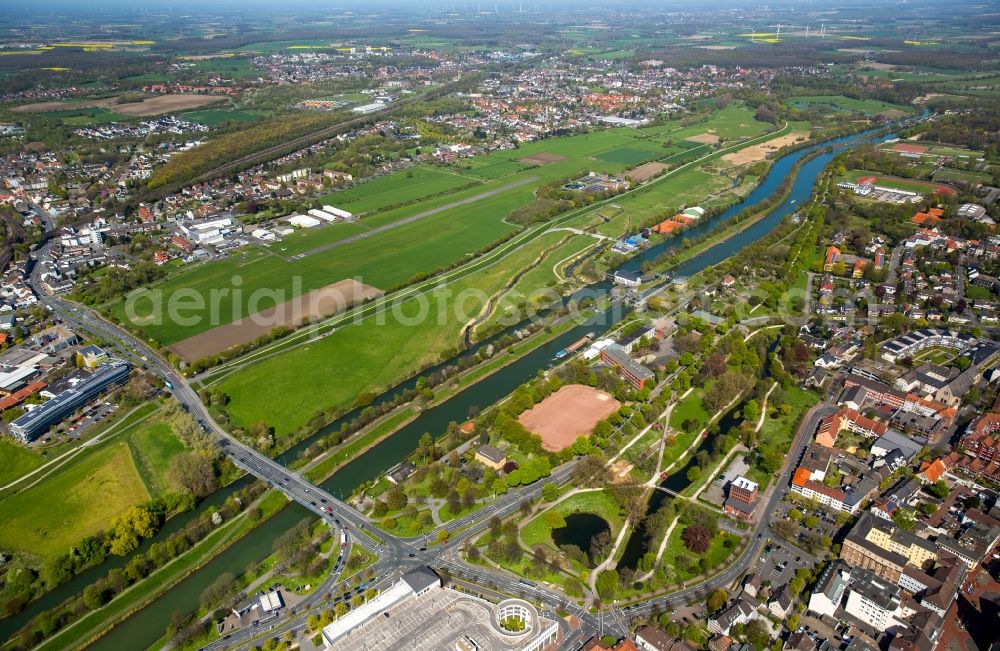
[(539, 284), (330, 372), (963, 176), (843, 103), (634, 154), (690, 408), (384, 260), (492, 169), (400, 187), (16, 461), (81, 500)]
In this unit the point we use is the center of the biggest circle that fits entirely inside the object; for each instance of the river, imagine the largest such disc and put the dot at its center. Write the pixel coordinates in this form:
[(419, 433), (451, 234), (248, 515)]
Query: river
[(145, 627)]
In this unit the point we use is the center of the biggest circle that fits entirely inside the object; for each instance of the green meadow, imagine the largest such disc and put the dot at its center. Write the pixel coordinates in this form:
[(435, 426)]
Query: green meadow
[(216, 117), (331, 371), (842, 103), (401, 187)]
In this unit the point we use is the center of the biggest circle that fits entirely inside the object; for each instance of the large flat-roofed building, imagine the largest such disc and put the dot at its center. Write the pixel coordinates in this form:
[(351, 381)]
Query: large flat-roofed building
[(632, 371), (36, 422), (874, 601), (880, 547), (417, 614), (415, 584)]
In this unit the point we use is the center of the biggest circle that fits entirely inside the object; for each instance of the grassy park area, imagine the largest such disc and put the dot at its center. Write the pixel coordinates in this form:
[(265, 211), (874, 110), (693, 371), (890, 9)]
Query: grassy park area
[(784, 412), (599, 502), (723, 544), (154, 446)]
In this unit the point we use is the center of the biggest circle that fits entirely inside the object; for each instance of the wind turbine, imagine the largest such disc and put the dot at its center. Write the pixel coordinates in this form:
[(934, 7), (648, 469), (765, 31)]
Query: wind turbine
[(753, 34), (777, 36)]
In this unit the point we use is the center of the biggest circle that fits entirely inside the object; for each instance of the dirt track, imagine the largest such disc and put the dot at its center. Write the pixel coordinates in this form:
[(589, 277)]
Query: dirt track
[(150, 106), (542, 158), (759, 152), (646, 171), (704, 138), (316, 304), (566, 414)]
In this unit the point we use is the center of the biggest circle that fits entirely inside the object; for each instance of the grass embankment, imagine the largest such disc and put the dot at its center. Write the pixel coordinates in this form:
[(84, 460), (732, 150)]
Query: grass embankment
[(98, 622), (16, 461), (82, 496)]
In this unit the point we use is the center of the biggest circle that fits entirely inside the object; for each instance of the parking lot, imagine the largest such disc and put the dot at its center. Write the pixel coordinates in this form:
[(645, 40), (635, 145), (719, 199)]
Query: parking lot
[(778, 563)]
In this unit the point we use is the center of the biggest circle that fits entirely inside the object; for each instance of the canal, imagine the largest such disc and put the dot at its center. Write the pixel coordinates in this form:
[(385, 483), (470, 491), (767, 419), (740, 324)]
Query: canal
[(146, 626)]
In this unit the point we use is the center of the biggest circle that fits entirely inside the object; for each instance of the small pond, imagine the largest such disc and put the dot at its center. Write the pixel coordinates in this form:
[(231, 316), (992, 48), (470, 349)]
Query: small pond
[(580, 529)]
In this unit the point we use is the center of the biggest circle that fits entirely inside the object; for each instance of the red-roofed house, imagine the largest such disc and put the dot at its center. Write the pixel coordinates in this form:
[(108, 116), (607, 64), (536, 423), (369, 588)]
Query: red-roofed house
[(925, 219), (832, 253), (932, 471)]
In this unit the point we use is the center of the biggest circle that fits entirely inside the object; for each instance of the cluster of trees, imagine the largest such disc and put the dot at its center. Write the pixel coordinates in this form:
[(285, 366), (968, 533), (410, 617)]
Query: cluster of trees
[(975, 129), (117, 282), (94, 549), (197, 469), (503, 546), (298, 550), (187, 165), (793, 53)]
